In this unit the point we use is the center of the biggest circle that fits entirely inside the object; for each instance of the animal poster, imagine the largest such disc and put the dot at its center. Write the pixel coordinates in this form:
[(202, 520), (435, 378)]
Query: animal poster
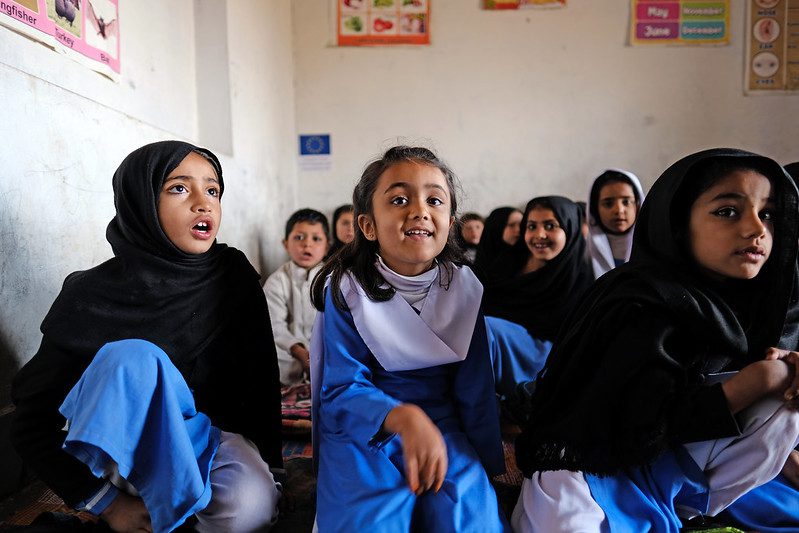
[(772, 46), (383, 22), (86, 30), (495, 5), (680, 22)]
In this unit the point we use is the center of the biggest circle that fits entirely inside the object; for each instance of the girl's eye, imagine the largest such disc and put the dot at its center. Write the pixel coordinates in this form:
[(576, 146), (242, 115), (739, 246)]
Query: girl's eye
[(607, 203), (399, 200), (213, 191), (766, 215), (531, 226), (625, 203), (726, 212), (435, 201), (177, 189), (298, 238), (549, 226)]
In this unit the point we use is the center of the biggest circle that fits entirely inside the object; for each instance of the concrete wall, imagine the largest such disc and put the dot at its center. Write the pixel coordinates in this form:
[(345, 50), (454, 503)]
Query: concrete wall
[(527, 103), (65, 129)]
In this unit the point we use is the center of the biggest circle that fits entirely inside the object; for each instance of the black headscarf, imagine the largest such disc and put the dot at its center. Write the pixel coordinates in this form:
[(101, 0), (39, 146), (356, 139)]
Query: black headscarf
[(491, 244), (541, 300), (206, 311), (625, 381)]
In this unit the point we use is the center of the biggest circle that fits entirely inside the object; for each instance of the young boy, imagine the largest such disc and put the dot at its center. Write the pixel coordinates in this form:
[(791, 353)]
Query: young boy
[(288, 292)]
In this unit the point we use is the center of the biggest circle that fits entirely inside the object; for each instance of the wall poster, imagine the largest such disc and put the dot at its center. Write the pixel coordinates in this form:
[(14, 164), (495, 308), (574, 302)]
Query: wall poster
[(680, 22), (772, 45), (496, 5), (85, 30), (383, 22)]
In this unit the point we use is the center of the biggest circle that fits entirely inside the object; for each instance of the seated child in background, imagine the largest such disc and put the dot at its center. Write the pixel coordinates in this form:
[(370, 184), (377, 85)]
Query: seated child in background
[(173, 320), (405, 416), (613, 205), (288, 292), (343, 230), (541, 281), (500, 231), (627, 417), (469, 231)]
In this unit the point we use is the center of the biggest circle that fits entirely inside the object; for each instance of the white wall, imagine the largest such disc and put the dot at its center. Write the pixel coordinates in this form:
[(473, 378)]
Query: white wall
[(527, 103), (65, 129)]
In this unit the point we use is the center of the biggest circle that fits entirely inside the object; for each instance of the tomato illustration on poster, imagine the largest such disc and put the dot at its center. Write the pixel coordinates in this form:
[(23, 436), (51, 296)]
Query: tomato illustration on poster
[(383, 22)]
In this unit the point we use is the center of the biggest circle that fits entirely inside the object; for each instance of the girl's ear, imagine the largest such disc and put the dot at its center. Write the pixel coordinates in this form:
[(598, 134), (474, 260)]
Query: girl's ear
[(367, 226), (451, 222), (285, 244)]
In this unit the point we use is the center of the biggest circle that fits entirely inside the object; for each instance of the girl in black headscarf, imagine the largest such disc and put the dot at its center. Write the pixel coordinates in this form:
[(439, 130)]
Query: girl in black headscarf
[(500, 232), (630, 420), (343, 229), (533, 287), (174, 319)]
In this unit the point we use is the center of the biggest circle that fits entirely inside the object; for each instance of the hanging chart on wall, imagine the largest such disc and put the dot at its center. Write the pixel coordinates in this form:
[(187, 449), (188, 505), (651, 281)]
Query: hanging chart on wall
[(772, 46), (680, 22), (496, 5), (383, 22), (85, 30)]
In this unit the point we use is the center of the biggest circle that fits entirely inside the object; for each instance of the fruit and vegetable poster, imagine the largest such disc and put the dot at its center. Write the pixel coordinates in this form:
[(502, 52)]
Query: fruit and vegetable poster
[(383, 22), (680, 22), (521, 4), (86, 30), (772, 45)]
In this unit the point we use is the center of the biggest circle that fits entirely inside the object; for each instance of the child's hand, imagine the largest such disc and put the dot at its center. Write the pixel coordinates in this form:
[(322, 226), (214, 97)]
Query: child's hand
[(792, 359), (301, 354), (127, 514), (423, 447), (764, 378), (791, 469)]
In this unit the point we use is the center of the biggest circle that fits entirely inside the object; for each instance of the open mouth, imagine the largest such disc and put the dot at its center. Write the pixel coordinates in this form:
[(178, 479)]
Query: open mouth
[(541, 245), (202, 229)]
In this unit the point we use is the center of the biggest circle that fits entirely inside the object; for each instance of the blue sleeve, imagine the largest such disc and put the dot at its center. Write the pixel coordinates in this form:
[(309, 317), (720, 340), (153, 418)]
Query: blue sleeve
[(350, 403), (100, 501), (477, 402)]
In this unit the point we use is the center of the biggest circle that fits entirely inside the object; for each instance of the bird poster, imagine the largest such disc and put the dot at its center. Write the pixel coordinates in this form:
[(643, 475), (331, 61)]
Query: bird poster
[(772, 47), (85, 30), (383, 22)]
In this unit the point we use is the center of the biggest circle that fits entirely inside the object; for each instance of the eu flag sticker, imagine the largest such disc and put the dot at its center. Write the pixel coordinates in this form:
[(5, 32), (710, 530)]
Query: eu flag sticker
[(315, 144)]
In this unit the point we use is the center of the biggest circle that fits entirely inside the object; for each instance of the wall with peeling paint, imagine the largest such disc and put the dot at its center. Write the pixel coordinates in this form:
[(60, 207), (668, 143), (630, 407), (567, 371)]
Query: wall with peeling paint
[(65, 129)]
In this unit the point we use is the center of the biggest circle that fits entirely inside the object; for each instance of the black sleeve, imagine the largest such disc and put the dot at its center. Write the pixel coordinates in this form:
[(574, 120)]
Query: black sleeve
[(37, 431), (665, 400)]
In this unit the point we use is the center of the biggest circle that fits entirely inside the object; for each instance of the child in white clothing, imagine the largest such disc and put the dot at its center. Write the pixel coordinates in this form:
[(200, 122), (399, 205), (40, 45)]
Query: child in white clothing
[(288, 292)]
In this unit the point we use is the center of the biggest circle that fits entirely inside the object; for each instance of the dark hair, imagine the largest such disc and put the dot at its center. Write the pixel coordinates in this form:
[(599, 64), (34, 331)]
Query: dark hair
[(468, 217), (311, 216), (359, 255), (699, 179), (608, 177)]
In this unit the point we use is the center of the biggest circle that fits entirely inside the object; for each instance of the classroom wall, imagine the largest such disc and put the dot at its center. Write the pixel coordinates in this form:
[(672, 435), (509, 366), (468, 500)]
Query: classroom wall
[(65, 129), (527, 103)]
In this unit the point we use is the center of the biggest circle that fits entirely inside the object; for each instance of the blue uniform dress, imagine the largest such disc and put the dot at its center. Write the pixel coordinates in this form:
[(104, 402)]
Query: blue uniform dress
[(361, 481), (515, 355), (769, 508)]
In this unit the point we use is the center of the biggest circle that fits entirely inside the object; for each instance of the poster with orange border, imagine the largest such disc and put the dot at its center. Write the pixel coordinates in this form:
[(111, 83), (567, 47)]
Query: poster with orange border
[(772, 46), (383, 22), (497, 5), (85, 30)]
